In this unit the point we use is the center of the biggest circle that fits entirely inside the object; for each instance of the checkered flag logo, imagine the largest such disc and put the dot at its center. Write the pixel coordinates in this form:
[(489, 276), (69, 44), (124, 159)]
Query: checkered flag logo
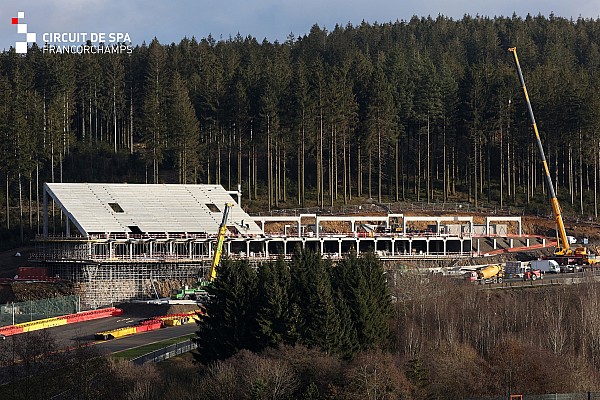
[(21, 47)]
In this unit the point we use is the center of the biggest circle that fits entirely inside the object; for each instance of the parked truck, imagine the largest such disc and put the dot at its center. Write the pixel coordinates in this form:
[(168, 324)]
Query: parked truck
[(516, 269), (545, 266), (489, 274)]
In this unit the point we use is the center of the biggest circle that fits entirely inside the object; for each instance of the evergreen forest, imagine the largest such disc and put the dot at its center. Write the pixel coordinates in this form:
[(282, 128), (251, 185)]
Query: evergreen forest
[(426, 110), (358, 329)]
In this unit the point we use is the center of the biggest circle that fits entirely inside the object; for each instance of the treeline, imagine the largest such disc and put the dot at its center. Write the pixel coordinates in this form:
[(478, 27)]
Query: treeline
[(340, 310), (337, 332), (421, 110)]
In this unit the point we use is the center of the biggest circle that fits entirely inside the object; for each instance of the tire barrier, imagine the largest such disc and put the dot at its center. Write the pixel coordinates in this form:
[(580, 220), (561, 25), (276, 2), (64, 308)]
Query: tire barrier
[(93, 314), (151, 324), (115, 333), (148, 325), (11, 330), (181, 318), (58, 321)]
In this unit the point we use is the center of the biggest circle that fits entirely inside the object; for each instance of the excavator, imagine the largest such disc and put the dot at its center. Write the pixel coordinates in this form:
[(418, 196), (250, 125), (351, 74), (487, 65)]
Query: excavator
[(564, 254)]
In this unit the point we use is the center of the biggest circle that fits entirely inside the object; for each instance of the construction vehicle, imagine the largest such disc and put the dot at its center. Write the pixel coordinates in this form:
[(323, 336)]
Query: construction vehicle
[(532, 275), (515, 269), (564, 254), (199, 290), (190, 293), (220, 240), (546, 266), (490, 274)]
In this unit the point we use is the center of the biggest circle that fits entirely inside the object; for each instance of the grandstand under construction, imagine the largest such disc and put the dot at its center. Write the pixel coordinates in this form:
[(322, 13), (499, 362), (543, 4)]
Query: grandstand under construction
[(120, 242)]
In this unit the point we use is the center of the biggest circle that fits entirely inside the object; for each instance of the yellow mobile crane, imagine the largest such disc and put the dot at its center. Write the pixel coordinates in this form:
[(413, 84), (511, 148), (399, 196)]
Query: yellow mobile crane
[(198, 291), (563, 253), (220, 240)]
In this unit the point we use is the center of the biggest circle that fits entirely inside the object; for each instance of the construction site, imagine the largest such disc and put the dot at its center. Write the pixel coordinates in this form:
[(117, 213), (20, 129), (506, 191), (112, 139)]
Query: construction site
[(120, 242)]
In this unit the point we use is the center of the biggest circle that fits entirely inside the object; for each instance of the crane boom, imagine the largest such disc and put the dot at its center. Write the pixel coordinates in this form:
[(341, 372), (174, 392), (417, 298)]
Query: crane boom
[(563, 245), (220, 241)]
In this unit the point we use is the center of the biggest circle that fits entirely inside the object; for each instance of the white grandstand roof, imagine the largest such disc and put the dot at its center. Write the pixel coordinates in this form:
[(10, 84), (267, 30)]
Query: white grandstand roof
[(100, 208)]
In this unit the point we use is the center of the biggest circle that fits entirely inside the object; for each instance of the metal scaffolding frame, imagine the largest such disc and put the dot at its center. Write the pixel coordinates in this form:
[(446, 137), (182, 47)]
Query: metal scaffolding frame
[(119, 242), (107, 283)]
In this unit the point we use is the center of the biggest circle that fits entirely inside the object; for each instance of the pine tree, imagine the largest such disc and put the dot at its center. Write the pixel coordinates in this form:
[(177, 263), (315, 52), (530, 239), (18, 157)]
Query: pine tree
[(229, 324), (379, 303), (184, 130), (154, 122), (348, 336), (361, 283), (272, 303), (312, 293)]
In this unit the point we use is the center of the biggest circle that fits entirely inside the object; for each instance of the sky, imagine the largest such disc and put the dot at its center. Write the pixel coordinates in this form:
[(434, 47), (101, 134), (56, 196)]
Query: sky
[(172, 20)]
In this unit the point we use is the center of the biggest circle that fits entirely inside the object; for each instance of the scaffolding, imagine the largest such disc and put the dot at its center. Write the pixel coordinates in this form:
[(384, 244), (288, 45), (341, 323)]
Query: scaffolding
[(107, 283), (120, 242)]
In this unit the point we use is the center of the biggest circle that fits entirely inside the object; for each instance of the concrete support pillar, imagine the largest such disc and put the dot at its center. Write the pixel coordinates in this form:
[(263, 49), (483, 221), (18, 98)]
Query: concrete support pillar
[(45, 213)]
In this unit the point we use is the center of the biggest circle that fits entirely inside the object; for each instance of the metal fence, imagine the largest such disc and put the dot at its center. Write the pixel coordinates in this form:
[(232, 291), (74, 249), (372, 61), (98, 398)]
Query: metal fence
[(399, 207), (550, 396), (166, 352), (15, 313)]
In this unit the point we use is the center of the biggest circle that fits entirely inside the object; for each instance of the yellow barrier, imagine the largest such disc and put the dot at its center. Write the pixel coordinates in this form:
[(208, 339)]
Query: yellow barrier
[(124, 331), (172, 321), (42, 324), (115, 333)]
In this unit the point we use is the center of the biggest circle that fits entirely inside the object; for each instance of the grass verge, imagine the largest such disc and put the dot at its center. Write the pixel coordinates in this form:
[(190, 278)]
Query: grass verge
[(136, 352)]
